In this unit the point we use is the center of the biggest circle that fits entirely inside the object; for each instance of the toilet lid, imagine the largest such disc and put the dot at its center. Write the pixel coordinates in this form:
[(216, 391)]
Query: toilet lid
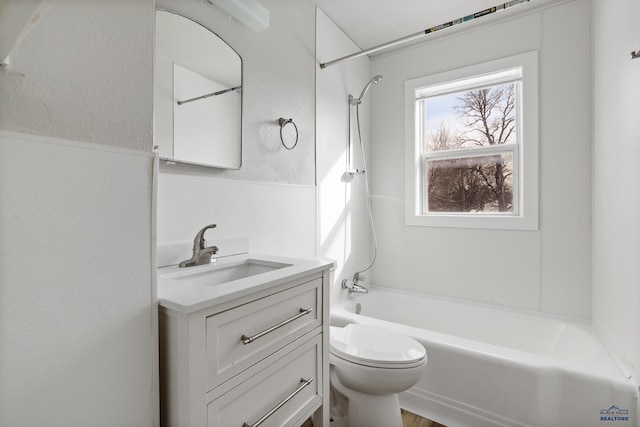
[(371, 346)]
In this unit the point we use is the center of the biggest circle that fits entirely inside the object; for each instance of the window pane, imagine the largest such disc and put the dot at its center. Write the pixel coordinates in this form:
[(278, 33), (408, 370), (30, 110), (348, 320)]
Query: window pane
[(468, 119), (470, 184)]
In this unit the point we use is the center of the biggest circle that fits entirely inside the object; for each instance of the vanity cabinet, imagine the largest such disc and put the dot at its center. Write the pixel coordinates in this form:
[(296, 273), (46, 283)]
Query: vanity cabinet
[(257, 360)]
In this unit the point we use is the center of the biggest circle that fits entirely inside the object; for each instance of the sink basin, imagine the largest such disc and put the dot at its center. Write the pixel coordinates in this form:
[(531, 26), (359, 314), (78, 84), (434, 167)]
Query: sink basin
[(213, 274)]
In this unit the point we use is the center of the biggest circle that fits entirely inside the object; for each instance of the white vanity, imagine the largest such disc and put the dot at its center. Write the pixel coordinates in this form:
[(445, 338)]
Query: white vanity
[(244, 342)]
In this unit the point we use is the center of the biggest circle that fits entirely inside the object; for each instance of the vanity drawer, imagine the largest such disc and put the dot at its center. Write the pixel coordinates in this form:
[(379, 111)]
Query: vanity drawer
[(244, 335), (278, 396)]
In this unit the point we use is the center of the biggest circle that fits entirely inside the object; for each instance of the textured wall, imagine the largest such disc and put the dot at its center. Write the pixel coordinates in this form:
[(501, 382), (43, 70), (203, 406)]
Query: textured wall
[(83, 72)]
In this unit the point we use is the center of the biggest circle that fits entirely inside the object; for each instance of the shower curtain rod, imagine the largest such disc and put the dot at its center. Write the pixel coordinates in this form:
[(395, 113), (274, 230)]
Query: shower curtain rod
[(425, 32)]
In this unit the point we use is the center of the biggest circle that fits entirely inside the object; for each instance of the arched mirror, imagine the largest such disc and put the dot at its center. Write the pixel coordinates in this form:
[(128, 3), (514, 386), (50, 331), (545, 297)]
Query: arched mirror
[(197, 94)]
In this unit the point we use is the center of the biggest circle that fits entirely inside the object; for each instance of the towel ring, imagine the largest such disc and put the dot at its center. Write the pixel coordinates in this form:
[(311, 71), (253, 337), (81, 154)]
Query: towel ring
[(283, 122)]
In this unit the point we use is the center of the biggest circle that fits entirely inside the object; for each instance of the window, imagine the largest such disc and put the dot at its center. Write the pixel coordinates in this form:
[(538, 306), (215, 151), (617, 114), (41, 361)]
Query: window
[(471, 146)]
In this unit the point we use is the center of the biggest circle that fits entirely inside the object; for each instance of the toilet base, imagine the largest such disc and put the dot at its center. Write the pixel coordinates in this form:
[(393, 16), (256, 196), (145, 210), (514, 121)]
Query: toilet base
[(362, 409)]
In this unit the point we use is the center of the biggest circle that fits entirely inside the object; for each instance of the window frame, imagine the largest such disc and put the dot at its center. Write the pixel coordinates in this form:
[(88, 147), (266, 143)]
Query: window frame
[(525, 172)]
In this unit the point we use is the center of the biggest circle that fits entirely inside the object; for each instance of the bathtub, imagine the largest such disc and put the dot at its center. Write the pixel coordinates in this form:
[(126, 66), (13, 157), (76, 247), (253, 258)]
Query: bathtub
[(491, 366)]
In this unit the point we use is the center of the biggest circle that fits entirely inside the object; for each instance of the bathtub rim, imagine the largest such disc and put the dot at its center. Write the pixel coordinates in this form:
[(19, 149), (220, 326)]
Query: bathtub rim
[(583, 322), (484, 349)]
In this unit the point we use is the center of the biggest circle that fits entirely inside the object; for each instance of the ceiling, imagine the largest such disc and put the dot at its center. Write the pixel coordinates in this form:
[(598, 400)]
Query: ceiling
[(370, 23)]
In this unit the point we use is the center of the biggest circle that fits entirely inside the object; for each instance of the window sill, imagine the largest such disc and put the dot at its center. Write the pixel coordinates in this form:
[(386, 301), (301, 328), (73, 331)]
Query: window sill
[(484, 221)]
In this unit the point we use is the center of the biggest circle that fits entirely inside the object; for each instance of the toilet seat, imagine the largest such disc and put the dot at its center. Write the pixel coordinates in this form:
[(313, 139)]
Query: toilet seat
[(376, 347)]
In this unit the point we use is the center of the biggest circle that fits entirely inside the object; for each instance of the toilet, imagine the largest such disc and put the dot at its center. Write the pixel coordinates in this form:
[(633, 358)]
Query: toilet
[(369, 367)]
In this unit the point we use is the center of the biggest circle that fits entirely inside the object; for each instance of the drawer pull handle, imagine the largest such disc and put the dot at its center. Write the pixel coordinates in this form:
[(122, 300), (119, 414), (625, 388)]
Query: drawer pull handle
[(248, 340), (281, 404)]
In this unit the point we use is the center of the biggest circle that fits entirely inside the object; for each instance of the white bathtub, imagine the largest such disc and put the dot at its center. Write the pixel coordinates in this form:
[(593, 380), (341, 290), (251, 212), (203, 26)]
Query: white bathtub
[(490, 366)]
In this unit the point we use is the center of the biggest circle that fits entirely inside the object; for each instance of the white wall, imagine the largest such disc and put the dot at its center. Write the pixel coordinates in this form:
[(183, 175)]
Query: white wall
[(616, 199), (77, 313), (76, 301), (343, 228), (546, 270), (271, 198), (277, 218)]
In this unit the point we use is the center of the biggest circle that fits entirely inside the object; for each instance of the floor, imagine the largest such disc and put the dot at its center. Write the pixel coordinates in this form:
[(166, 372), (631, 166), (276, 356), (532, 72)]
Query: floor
[(408, 419), (413, 420)]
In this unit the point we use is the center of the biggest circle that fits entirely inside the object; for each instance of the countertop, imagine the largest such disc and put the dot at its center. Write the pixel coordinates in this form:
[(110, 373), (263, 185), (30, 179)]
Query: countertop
[(185, 290)]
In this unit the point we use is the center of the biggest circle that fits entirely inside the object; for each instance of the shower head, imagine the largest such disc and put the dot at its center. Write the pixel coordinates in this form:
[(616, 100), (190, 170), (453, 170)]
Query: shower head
[(358, 100), (377, 79)]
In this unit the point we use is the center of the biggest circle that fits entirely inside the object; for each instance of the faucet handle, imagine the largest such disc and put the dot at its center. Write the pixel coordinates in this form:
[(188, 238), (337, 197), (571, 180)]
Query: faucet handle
[(199, 240)]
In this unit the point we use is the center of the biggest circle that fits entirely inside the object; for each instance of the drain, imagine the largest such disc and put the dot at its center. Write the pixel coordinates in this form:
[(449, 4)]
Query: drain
[(358, 308)]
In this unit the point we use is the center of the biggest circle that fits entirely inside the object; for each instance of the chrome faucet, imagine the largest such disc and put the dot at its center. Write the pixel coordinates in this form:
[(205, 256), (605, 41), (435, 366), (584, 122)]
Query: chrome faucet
[(352, 285), (201, 252)]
